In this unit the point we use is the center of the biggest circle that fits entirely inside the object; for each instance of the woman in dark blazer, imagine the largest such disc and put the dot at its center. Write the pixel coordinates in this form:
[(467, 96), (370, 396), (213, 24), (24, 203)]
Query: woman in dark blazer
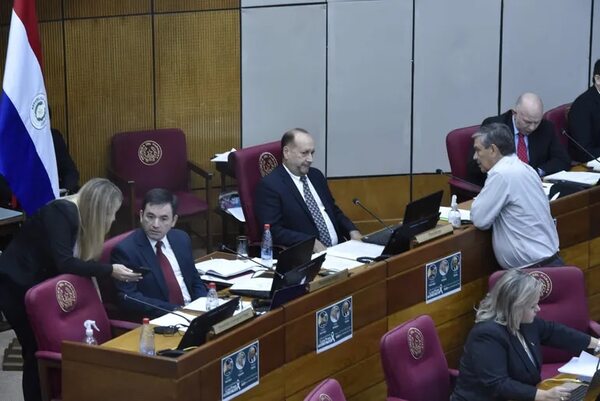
[(64, 236), (502, 357)]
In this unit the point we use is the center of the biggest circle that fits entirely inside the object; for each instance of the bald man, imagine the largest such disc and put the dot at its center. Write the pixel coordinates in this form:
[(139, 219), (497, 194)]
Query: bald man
[(535, 139)]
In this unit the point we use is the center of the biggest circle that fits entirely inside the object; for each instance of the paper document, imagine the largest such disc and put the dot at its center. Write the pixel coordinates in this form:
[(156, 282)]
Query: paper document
[(207, 278), (464, 214), (199, 305), (226, 268), (171, 319), (337, 264), (222, 157), (353, 249), (578, 177), (584, 366), (253, 284), (9, 213), (237, 212)]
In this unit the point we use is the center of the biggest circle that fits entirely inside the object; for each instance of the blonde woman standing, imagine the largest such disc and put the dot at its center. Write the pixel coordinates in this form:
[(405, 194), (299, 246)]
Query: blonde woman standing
[(64, 236)]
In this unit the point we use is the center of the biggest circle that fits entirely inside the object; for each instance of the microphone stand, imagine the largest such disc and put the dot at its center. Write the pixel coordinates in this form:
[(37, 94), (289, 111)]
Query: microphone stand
[(564, 132), (160, 308), (223, 247), (357, 203)]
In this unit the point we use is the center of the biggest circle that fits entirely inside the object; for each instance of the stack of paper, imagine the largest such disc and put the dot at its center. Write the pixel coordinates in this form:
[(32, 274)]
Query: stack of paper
[(464, 214), (594, 165), (336, 263), (222, 157), (353, 249), (578, 177), (583, 366), (226, 268)]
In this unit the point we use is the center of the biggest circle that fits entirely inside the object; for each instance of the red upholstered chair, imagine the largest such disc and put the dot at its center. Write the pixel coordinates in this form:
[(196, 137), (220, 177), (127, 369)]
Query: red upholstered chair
[(250, 165), (563, 300), (107, 287), (142, 160), (56, 309), (558, 116), (458, 145), (414, 364), (327, 390)]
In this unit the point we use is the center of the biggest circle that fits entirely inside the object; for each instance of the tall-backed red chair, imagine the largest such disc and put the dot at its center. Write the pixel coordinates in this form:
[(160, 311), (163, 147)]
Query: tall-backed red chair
[(56, 309), (563, 300), (327, 390), (458, 146), (250, 165), (414, 363), (142, 160), (108, 291), (559, 117)]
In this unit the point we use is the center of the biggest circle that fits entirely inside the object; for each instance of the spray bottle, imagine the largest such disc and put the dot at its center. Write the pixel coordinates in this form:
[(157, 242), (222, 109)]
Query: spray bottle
[(454, 213), (89, 333)]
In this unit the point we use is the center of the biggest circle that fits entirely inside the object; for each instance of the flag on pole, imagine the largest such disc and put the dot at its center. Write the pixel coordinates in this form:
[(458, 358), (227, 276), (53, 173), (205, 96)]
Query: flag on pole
[(27, 158)]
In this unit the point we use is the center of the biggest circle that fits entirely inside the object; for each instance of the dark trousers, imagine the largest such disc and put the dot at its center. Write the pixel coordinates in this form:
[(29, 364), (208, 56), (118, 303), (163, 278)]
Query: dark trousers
[(12, 304)]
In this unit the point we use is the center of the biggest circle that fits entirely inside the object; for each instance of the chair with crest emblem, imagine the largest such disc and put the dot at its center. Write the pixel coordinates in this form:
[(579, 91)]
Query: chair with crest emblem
[(143, 160), (56, 309), (327, 390), (250, 165), (414, 364), (563, 300)]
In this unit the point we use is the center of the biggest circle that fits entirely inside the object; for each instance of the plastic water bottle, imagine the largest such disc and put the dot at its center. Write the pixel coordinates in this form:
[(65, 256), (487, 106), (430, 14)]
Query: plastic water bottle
[(89, 338), (212, 298), (266, 249), (147, 338), (454, 213)]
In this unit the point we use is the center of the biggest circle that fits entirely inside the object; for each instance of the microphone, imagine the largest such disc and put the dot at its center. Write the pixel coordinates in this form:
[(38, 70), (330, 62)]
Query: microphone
[(357, 203), (475, 187), (564, 132), (224, 247), (125, 297)]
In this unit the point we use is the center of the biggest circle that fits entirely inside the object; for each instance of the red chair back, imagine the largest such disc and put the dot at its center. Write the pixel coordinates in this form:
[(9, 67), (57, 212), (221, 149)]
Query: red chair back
[(414, 364), (153, 159), (57, 308), (563, 300), (327, 390), (558, 116), (250, 165), (458, 146)]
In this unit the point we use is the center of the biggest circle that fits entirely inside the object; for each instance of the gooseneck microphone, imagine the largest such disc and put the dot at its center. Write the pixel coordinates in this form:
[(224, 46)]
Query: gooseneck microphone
[(224, 247), (357, 203), (580, 146), (126, 297), (442, 172)]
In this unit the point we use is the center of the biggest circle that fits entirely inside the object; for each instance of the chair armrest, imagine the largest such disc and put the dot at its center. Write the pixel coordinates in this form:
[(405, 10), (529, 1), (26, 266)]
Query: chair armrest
[(120, 327), (53, 358), (199, 170), (464, 185), (594, 328), (118, 179), (128, 188)]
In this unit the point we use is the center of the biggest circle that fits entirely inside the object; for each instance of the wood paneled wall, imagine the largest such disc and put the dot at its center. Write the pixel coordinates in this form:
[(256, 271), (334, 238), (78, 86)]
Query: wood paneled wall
[(118, 65)]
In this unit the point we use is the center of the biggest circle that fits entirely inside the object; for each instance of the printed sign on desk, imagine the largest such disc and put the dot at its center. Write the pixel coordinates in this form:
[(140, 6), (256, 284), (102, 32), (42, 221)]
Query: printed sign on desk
[(239, 371), (334, 324), (442, 277)]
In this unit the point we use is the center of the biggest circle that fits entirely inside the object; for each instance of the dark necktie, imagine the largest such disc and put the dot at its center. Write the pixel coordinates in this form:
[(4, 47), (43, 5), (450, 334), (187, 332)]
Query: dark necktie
[(522, 149), (324, 236), (175, 295)]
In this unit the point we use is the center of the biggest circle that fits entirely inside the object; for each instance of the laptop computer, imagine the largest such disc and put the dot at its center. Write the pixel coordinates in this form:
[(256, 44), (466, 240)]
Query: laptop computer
[(585, 392), (419, 215)]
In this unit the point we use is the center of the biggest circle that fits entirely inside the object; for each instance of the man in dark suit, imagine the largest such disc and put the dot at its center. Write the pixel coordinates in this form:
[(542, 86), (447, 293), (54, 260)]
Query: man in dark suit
[(173, 280), (584, 120), (295, 199), (535, 139)]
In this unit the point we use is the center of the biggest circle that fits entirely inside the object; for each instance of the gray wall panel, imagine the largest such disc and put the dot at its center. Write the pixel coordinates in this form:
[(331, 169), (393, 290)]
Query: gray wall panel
[(369, 77), (456, 70), (260, 3), (283, 73), (548, 57), (595, 39)]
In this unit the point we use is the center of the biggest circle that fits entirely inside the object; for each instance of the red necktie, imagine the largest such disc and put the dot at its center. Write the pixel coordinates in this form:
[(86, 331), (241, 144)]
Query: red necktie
[(175, 295), (522, 149)]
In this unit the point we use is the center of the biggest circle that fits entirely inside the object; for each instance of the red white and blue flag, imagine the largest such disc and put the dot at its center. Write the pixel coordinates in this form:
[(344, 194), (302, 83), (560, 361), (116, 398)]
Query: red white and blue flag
[(27, 158)]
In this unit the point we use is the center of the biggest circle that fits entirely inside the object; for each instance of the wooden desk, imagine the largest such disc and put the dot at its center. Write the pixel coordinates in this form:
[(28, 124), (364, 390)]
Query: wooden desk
[(384, 295)]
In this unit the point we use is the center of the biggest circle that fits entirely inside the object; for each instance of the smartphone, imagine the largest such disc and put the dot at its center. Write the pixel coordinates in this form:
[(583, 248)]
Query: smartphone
[(140, 269)]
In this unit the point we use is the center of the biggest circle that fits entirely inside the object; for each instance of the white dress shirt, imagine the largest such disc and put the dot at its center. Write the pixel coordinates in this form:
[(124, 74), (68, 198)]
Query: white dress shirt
[(328, 222), (168, 252), (513, 202)]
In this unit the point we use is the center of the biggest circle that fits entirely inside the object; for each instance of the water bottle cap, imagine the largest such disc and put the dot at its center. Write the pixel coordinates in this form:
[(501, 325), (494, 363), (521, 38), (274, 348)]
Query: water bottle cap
[(145, 321), (212, 285)]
